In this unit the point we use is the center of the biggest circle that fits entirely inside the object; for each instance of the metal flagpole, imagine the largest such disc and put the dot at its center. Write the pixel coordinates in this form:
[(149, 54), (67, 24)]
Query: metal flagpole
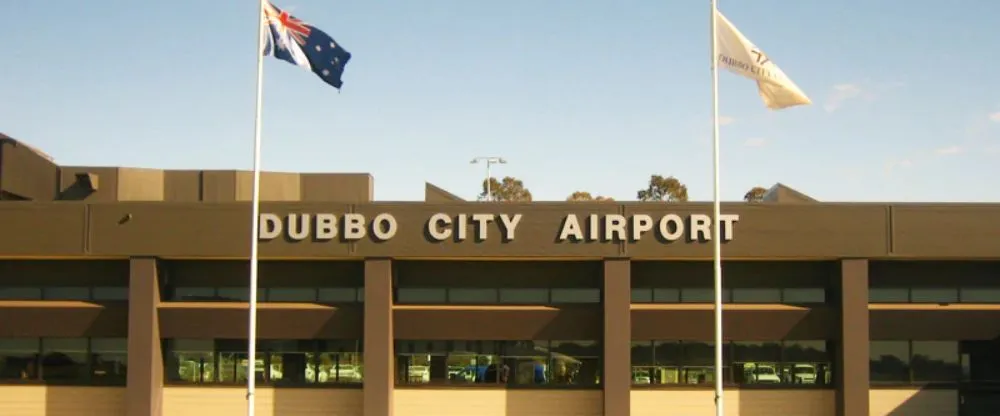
[(716, 213), (255, 220)]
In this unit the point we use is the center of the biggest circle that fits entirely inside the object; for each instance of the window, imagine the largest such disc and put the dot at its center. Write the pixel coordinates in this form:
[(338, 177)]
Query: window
[(110, 293), (935, 361), (889, 361), (66, 293), (523, 363), (82, 293), (421, 295), (291, 294), (64, 359), (472, 296), (642, 295), (703, 295), (980, 361), (524, 296), (493, 296), (579, 295), (19, 358), (110, 360), (756, 295), (979, 295), (933, 295), (20, 293), (278, 362), (341, 294), (787, 363), (271, 294), (74, 361), (663, 295), (888, 295), (803, 295)]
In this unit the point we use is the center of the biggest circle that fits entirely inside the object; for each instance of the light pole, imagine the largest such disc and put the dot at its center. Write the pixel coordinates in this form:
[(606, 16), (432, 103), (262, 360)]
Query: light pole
[(490, 161)]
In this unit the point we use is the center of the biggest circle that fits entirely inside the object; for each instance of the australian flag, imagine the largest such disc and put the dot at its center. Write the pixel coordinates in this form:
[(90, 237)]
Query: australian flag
[(299, 43)]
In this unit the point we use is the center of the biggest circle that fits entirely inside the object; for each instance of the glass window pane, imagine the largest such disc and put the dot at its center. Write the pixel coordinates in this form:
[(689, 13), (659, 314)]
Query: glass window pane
[(524, 296), (530, 362), (289, 361), (64, 359), (291, 294), (888, 295), (66, 293), (472, 296), (935, 361), (110, 293), (668, 357), (238, 294), (703, 295), (194, 294), (807, 362), (980, 295), (20, 293), (19, 358), (190, 360), (110, 360), (642, 295), (699, 359), (666, 295), (889, 361), (576, 295), (574, 362), (339, 294), (928, 295), (804, 295), (421, 295), (981, 361), (757, 295)]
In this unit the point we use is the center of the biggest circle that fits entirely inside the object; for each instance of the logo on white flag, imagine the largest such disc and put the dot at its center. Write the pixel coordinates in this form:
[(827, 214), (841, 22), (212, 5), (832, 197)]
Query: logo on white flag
[(738, 54)]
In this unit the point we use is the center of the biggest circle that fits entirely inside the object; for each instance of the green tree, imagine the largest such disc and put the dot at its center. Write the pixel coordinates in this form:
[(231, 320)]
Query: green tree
[(585, 196), (755, 194), (667, 189), (508, 189)]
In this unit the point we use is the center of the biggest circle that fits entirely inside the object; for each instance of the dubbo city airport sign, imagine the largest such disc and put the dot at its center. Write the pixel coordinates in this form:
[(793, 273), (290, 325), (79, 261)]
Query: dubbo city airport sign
[(478, 226)]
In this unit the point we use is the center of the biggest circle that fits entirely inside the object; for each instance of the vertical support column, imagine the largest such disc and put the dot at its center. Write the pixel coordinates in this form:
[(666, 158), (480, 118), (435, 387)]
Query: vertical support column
[(616, 380), (144, 391), (379, 357), (852, 354)]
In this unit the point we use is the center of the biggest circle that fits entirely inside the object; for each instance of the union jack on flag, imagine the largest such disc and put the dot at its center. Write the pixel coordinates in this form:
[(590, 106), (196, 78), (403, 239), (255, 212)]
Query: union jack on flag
[(299, 43)]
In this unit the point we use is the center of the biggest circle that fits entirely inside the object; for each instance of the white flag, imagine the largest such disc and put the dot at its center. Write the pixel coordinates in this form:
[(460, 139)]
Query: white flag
[(738, 54)]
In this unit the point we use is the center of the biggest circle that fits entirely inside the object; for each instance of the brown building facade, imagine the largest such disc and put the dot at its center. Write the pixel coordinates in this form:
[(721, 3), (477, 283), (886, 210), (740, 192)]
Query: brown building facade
[(124, 292)]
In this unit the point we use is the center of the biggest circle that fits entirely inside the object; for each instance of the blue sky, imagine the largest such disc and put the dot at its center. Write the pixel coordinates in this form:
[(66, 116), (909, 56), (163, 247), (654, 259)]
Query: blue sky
[(577, 95)]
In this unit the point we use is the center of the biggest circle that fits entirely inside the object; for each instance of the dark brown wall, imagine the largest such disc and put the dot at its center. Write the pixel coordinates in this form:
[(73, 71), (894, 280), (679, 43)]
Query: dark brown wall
[(25, 173), (736, 274), (739, 322), (497, 323), (493, 274), (274, 321), (764, 231)]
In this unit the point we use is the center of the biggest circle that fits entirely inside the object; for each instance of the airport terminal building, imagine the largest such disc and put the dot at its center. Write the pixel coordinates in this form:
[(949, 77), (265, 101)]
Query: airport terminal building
[(124, 292)]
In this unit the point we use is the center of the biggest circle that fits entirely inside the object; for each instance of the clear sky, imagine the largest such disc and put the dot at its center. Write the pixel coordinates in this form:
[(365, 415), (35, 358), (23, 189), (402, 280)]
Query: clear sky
[(576, 94)]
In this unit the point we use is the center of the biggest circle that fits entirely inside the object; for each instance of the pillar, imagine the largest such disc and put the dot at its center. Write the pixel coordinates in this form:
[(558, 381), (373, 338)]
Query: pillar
[(379, 357), (144, 391), (616, 379), (852, 354)]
